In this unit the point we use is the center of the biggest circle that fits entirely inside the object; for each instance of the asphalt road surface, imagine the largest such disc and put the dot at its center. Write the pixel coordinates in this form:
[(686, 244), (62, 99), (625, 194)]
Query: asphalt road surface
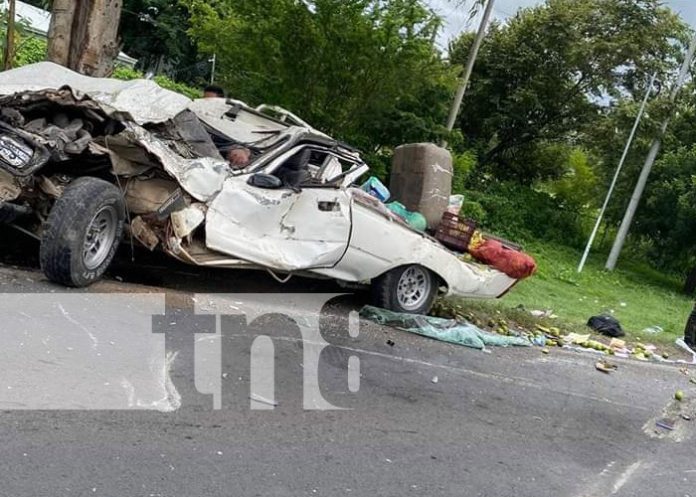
[(100, 398)]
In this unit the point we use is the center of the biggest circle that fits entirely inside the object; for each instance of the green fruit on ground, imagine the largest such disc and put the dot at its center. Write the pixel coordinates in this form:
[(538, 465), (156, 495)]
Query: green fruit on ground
[(679, 395)]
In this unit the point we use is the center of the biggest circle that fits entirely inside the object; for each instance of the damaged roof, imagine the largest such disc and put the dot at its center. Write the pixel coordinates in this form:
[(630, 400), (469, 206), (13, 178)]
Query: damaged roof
[(140, 100)]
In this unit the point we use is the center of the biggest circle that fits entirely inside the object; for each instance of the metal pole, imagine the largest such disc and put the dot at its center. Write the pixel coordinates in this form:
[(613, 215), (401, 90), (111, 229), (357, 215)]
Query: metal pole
[(647, 166), (473, 53), (9, 41), (616, 174), (212, 70)]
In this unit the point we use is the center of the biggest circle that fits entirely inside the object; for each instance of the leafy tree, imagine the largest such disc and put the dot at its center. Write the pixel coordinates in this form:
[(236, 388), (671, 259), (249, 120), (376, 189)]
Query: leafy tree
[(366, 71), (577, 187), (155, 33), (668, 214), (548, 74)]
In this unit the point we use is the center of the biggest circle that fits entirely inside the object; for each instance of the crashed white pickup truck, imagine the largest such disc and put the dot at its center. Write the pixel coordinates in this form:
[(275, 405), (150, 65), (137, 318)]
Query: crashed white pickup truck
[(83, 160)]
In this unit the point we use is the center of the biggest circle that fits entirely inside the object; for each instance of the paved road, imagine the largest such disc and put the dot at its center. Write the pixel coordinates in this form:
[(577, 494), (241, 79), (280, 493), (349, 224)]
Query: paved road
[(93, 407)]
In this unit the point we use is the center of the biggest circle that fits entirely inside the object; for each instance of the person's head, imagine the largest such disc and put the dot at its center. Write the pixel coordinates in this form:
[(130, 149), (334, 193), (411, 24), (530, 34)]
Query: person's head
[(239, 157), (213, 91)]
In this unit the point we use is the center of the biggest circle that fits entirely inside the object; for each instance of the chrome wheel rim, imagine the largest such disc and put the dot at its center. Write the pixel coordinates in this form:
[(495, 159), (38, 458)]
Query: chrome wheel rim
[(100, 237), (413, 288)]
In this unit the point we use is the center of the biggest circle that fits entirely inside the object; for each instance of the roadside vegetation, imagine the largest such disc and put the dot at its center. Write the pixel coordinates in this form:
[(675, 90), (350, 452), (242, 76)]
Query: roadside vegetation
[(637, 295)]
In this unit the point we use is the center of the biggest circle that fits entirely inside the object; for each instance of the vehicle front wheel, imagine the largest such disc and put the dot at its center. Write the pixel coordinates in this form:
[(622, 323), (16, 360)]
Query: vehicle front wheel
[(408, 289), (82, 233)]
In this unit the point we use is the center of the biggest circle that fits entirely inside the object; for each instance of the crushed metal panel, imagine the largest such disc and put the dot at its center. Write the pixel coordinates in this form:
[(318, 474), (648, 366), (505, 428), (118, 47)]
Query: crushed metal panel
[(144, 196), (123, 159), (185, 221), (202, 178), (143, 101), (280, 229), (128, 157), (243, 126)]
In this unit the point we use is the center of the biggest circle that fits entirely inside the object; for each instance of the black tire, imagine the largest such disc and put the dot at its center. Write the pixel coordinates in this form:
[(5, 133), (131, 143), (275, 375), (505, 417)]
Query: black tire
[(386, 290), (71, 225)]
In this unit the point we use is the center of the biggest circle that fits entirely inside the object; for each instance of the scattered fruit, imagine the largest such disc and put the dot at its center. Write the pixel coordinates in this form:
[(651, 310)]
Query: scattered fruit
[(679, 395)]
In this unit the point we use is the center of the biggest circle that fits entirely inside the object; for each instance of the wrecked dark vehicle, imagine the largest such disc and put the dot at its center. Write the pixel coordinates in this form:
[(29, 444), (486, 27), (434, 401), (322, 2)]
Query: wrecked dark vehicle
[(85, 162)]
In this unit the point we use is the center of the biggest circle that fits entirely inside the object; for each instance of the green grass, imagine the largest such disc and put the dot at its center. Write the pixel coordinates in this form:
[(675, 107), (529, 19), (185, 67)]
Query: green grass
[(638, 295)]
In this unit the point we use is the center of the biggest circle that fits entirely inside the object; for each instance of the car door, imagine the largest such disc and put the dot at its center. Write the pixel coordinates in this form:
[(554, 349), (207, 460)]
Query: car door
[(285, 229)]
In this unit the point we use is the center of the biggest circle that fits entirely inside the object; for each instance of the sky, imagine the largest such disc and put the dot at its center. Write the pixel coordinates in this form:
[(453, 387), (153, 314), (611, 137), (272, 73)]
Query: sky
[(457, 19)]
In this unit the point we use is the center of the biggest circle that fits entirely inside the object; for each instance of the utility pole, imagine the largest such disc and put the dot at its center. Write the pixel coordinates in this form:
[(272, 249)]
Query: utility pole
[(616, 174), (649, 162), (212, 69), (473, 53), (10, 40)]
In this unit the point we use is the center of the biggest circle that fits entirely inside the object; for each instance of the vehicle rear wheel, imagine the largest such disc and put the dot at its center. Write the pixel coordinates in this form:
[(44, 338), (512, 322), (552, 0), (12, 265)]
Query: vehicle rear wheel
[(408, 289), (82, 233)]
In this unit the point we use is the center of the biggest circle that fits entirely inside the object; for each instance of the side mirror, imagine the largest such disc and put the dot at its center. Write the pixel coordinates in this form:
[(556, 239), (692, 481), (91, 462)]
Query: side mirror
[(267, 181)]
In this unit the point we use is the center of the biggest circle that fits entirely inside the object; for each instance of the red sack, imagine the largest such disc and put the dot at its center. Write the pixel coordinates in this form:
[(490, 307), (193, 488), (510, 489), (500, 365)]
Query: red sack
[(515, 264)]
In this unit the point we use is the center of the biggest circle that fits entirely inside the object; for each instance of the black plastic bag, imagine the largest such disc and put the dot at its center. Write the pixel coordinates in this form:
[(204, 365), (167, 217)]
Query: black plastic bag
[(606, 325)]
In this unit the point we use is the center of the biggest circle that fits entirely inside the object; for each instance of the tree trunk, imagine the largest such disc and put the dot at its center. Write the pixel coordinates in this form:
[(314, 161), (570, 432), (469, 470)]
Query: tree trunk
[(84, 35), (10, 39), (59, 32)]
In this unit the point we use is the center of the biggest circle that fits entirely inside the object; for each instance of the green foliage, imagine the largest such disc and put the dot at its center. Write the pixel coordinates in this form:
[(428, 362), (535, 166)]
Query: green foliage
[(473, 210), (462, 166), (31, 49), (154, 32), (128, 73), (521, 213), (668, 215), (170, 84), (364, 71), (545, 75), (577, 186), (28, 47)]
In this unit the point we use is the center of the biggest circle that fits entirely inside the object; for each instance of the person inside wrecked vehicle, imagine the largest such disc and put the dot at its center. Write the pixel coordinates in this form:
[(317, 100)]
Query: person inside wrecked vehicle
[(213, 91), (239, 156)]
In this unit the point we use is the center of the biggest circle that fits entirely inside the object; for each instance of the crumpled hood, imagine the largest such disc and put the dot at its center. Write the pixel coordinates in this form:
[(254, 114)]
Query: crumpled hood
[(140, 100)]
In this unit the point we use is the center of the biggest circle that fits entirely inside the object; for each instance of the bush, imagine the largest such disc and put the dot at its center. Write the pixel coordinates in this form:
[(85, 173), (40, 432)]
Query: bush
[(128, 73), (521, 213), (172, 85), (473, 210), (462, 166), (30, 51)]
